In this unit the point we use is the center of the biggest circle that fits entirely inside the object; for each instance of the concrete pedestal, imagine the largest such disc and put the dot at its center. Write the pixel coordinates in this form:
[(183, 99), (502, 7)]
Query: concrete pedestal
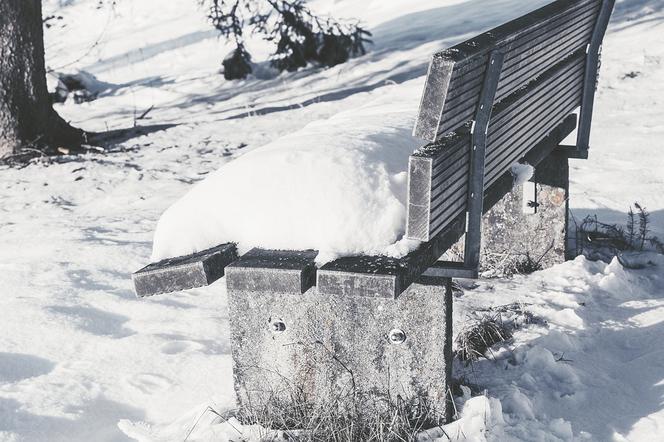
[(529, 222), (306, 348)]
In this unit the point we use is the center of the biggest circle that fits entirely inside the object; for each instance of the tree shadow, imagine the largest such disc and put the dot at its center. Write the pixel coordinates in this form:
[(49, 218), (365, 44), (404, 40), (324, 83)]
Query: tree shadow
[(149, 51), (611, 216), (15, 367), (94, 321), (111, 138), (630, 13), (96, 420)]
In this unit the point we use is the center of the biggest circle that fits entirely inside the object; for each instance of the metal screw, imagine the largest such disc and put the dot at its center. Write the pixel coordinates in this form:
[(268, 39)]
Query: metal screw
[(397, 336), (278, 326)]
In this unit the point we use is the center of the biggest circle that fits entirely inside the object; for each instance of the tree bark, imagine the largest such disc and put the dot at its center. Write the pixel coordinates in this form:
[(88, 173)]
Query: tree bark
[(27, 118)]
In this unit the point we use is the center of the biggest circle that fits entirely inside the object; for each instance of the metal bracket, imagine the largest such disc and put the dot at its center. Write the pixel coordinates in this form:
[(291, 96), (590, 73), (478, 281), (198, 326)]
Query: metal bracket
[(475, 202), (572, 152), (477, 158), (590, 76), (529, 203)]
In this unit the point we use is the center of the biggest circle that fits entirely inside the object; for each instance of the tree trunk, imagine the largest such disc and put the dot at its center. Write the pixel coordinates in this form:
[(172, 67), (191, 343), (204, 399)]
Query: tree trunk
[(27, 118)]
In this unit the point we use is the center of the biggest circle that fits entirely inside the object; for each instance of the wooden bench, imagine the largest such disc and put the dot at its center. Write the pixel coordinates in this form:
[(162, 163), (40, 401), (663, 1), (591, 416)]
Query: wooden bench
[(504, 96)]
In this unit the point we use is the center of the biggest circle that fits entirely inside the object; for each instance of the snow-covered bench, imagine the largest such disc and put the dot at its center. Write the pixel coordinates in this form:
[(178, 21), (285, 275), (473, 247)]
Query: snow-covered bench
[(504, 96)]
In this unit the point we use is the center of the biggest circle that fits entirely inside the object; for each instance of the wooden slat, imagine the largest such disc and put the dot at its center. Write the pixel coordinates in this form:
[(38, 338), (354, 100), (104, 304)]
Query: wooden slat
[(519, 106), (530, 45), (515, 58), (273, 271), (422, 163), (463, 111), (184, 272), (527, 140), (517, 128), (382, 276), (520, 121)]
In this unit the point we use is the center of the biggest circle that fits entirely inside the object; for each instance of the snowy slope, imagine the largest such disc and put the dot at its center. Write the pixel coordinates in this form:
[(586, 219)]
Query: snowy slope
[(82, 359)]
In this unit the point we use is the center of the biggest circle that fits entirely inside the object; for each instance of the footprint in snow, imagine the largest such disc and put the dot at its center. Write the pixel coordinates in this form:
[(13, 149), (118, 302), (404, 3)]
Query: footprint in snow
[(173, 348), (149, 383)]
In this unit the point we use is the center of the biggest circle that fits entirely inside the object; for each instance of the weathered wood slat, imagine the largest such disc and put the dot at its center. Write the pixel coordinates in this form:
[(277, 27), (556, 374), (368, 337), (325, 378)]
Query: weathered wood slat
[(527, 140), (546, 53), (524, 108), (422, 165), (522, 128), (452, 155), (529, 43), (518, 57), (510, 110), (525, 121), (519, 121), (456, 114), (184, 272), (457, 174), (274, 271), (516, 45), (382, 276)]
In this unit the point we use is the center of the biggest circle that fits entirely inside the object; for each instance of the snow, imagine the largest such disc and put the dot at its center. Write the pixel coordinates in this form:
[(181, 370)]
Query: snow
[(338, 185), (521, 172), (82, 359)]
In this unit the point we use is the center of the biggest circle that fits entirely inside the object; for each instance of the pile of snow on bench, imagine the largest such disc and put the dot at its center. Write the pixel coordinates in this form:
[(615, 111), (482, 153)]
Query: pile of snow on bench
[(337, 186)]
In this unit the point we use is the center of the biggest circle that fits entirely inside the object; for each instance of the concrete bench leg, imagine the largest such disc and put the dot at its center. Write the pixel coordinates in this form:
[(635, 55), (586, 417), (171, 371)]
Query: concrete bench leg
[(293, 349), (513, 228)]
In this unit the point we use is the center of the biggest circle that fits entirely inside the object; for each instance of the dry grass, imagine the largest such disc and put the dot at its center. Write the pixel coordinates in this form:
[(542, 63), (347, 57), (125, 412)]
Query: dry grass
[(475, 340), (355, 417), (487, 328)]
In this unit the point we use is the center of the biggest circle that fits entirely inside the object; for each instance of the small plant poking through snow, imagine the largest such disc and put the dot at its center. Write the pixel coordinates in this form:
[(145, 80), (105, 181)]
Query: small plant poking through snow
[(528, 265), (475, 340), (487, 328), (299, 35), (598, 240)]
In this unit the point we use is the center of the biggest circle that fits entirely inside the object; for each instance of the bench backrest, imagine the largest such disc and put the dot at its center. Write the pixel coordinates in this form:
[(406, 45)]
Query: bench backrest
[(546, 60)]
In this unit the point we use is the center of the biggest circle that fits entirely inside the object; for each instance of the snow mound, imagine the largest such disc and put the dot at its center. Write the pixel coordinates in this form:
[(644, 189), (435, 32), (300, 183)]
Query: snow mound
[(337, 185)]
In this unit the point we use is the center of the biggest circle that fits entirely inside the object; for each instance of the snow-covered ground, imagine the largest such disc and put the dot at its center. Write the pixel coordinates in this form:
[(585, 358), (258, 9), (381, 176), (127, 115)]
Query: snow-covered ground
[(82, 359)]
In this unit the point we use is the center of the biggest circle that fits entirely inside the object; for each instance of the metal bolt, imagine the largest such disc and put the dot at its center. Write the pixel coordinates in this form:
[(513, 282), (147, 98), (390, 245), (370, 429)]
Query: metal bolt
[(397, 336), (278, 326)]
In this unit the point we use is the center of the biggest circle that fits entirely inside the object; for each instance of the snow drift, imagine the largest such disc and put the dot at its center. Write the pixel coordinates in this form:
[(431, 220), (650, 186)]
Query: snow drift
[(337, 186)]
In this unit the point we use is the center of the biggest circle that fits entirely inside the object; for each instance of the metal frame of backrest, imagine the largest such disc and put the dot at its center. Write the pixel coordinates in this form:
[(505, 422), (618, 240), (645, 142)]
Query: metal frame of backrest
[(543, 67), (590, 76)]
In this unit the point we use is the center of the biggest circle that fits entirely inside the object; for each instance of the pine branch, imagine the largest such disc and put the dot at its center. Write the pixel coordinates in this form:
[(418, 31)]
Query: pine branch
[(644, 221), (300, 36), (631, 229)]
